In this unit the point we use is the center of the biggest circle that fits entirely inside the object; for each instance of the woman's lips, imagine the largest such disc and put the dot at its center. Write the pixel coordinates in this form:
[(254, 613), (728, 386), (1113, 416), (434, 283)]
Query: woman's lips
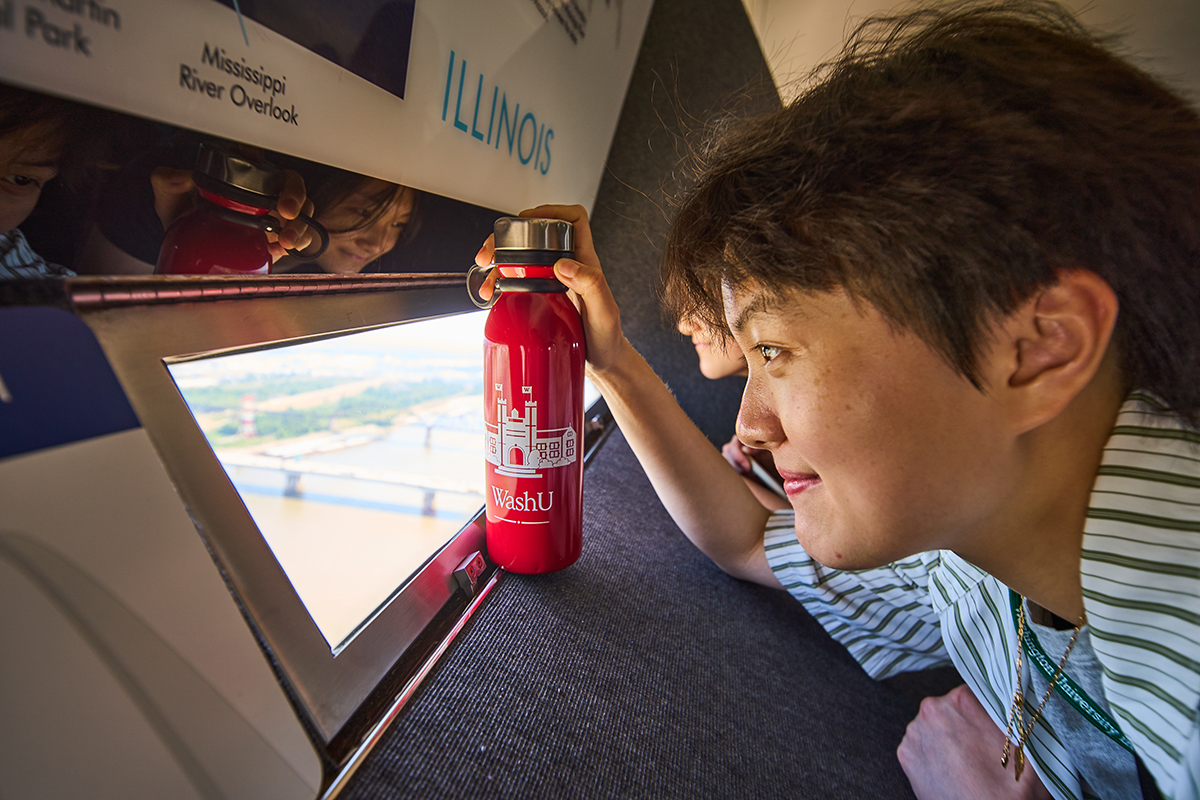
[(796, 482)]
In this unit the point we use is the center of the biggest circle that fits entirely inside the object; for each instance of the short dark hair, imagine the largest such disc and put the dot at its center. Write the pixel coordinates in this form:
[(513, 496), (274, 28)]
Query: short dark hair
[(65, 125), (946, 167), (328, 186)]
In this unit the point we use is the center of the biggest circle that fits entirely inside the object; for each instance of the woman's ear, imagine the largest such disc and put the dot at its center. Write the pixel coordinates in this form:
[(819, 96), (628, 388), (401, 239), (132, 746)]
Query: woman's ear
[(1050, 349)]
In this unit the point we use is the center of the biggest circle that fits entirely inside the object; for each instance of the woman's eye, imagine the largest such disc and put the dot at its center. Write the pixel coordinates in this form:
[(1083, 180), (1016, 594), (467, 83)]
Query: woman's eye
[(23, 180), (768, 352)]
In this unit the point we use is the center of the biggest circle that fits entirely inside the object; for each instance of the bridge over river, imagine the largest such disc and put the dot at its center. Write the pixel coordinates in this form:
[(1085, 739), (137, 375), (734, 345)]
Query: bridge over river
[(294, 468)]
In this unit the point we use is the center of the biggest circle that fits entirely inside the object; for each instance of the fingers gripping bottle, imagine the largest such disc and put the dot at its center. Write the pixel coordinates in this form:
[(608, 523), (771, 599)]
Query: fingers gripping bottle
[(533, 402)]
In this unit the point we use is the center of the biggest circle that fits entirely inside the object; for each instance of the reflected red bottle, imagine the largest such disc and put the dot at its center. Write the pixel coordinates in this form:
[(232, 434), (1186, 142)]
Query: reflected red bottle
[(225, 233), (202, 243), (533, 402)]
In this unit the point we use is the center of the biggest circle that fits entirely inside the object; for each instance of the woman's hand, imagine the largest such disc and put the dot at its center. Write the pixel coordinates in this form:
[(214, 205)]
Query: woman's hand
[(736, 454), (952, 750), (606, 344)]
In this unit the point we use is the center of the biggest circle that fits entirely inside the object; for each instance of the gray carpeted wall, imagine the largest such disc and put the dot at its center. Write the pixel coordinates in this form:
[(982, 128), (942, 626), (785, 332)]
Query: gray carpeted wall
[(699, 60)]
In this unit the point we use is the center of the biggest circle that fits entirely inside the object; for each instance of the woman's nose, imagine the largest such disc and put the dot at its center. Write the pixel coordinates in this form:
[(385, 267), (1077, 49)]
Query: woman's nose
[(757, 423), (374, 235)]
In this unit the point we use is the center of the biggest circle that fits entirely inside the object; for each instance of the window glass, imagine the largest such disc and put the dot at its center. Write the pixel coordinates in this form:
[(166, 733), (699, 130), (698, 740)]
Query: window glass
[(357, 456)]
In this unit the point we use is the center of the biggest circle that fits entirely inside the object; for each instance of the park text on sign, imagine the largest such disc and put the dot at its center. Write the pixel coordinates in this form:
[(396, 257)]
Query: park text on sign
[(60, 23)]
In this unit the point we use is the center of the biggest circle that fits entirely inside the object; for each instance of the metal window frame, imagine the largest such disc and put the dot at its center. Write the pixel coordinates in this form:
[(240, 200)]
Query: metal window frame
[(142, 323)]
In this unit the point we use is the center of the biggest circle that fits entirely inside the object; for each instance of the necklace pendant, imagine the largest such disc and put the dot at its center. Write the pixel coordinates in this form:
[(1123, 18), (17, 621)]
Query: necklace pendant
[(1019, 763)]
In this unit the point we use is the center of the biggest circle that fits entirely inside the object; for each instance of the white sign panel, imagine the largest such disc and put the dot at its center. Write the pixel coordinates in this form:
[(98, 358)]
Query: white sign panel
[(500, 103)]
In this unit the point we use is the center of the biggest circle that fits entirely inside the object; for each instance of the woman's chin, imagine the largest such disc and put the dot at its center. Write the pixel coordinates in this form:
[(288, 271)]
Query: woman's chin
[(342, 267)]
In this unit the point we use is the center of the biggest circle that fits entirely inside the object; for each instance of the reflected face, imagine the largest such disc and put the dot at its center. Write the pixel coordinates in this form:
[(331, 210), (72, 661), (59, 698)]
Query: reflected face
[(351, 250), (884, 449), (715, 361), (28, 161)]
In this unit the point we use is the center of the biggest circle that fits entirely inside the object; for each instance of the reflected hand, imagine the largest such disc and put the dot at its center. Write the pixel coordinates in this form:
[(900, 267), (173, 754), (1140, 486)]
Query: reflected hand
[(952, 750), (293, 201), (172, 193)]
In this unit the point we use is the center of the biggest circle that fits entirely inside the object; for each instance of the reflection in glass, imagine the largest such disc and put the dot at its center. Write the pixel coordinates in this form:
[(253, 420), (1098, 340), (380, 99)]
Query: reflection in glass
[(122, 181), (358, 457), (174, 187), (365, 217), (39, 135)]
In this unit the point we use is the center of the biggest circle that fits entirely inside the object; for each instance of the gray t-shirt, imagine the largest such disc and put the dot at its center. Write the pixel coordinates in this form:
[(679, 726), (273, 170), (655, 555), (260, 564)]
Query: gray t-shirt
[(1106, 769)]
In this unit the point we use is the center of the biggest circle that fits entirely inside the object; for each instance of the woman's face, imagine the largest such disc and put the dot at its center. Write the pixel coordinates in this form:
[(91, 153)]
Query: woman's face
[(352, 248), (28, 160), (715, 360), (885, 450)]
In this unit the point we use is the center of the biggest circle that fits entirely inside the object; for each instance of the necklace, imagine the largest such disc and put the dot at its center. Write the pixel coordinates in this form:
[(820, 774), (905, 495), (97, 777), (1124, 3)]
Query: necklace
[(1017, 711)]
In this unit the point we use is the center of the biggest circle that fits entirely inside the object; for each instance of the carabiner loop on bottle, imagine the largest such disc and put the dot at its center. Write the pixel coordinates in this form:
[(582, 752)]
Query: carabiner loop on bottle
[(272, 225), (476, 277)]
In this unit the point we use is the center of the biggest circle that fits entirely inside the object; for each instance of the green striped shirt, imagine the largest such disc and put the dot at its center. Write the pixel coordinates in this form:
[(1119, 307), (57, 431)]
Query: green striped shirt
[(1141, 588)]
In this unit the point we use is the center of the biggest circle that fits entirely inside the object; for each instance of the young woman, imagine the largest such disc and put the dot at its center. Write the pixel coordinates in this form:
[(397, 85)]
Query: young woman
[(962, 269)]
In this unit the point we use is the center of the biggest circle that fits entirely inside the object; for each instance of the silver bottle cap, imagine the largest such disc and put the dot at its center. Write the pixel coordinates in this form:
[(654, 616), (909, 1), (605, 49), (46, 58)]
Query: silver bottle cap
[(259, 177), (525, 233)]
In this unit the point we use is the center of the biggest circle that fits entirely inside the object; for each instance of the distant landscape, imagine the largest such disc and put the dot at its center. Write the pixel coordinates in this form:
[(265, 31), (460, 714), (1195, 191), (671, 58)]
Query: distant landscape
[(218, 408)]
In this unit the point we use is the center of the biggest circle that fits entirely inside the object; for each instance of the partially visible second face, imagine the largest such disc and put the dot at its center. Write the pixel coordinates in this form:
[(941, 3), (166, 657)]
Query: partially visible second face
[(716, 361), (885, 450), (351, 249), (28, 161)]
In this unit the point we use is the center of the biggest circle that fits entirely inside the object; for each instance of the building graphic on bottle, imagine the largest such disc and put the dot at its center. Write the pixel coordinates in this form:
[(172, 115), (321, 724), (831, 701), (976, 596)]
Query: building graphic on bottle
[(518, 448)]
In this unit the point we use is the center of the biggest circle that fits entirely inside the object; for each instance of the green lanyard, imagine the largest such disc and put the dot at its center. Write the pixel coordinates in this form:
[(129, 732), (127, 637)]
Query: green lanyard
[(1070, 690)]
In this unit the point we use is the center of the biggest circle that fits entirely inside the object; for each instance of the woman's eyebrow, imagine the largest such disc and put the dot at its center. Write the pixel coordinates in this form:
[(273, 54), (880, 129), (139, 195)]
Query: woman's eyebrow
[(760, 303)]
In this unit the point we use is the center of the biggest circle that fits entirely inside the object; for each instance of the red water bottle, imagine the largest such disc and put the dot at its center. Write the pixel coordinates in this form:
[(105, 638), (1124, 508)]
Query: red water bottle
[(533, 402), (226, 231)]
